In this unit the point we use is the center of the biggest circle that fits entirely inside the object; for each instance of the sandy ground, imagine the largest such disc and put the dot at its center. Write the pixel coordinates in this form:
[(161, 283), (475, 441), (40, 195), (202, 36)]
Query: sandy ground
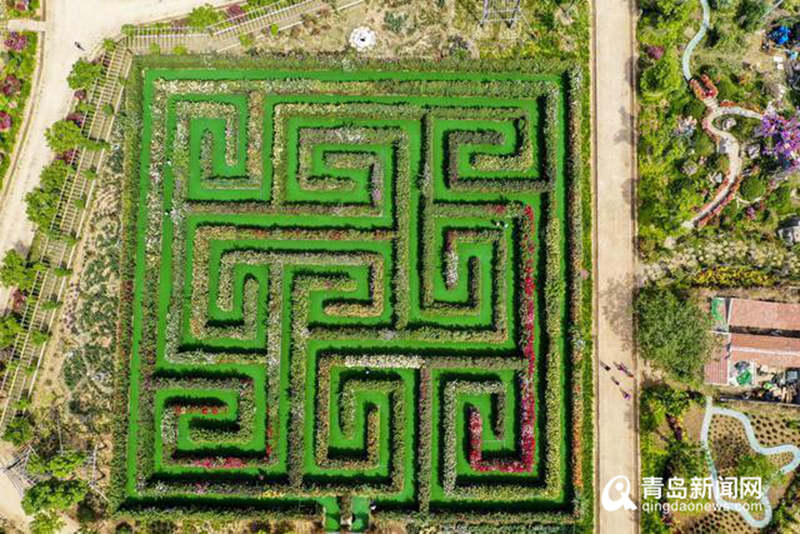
[(86, 22), (617, 444), (10, 508)]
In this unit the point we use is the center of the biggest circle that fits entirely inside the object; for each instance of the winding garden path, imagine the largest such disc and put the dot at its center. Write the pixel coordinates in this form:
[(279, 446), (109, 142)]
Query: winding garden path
[(734, 153), (711, 411), (687, 53)]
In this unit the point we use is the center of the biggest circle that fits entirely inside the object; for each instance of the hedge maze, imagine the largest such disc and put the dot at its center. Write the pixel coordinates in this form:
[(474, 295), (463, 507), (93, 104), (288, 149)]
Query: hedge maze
[(349, 296)]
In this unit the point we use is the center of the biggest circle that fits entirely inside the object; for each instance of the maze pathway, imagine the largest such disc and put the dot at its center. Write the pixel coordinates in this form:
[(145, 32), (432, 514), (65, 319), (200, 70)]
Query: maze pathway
[(349, 295)]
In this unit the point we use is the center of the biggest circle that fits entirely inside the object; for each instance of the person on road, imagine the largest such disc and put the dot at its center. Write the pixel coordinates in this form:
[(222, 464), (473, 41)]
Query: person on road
[(604, 365), (614, 379), (626, 395), (621, 367), (78, 45)]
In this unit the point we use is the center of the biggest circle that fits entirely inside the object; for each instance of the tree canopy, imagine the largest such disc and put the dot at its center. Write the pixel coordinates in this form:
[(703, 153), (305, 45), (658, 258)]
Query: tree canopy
[(64, 136), (84, 73), (19, 431), (756, 465), (47, 523), (672, 333), (61, 465), (203, 16), (53, 494), (42, 202), (15, 272), (9, 328)]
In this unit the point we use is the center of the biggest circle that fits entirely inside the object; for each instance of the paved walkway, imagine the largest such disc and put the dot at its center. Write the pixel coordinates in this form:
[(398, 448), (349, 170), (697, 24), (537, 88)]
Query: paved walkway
[(86, 22), (687, 53), (617, 445), (734, 153)]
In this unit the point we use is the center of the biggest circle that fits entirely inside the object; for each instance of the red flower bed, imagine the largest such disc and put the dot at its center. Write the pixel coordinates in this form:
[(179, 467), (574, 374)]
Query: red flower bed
[(528, 437)]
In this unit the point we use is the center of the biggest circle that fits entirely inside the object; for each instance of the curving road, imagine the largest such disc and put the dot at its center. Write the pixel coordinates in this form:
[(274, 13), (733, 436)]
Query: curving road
[(86, 22)]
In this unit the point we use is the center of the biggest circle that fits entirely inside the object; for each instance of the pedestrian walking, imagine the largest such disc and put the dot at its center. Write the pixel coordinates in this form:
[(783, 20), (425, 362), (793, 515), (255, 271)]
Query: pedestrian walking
[(78, 45), (614, 379), (626, 395), (604, 365)]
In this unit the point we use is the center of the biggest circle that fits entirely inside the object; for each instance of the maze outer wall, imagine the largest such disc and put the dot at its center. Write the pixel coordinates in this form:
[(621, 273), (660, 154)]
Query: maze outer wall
[(349, 294)]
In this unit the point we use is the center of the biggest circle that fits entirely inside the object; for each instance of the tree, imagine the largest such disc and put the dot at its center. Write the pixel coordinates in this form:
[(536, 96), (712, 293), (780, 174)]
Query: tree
[(203, 16), (84, 74), (686, 459), (47, 523), (751, 13), (15, 271), (663, 77), (42, 207), (752, 188), (19, 431), (64, 136), (757, 465), (9, 328), (672, 333), (661, 400), (53, 494), (62, 465), (43, 201)]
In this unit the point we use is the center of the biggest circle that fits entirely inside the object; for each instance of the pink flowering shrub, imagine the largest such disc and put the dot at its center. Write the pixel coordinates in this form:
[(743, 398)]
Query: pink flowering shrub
[(16, 42), (5, 121), (11, 85)]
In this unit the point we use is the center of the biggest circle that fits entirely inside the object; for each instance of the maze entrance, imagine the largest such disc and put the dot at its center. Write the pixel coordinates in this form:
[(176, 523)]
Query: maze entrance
[(349, 297)]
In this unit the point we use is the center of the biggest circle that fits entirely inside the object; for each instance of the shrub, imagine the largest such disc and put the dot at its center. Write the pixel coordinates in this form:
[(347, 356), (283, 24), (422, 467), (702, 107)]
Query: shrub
[(662, 77), (203, 16), (751, 13), (753, 187), (39, 337)]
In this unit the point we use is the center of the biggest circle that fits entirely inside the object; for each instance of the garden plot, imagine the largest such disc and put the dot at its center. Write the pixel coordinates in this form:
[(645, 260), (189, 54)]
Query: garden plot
[(346, 295)]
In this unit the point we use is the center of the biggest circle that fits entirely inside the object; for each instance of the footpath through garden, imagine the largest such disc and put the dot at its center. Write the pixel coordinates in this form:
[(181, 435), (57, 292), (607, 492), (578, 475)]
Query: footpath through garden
[(617, 444)]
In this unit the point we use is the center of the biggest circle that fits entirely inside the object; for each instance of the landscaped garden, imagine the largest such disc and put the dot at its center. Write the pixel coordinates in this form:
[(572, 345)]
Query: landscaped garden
[(16, 72), (353, 295)]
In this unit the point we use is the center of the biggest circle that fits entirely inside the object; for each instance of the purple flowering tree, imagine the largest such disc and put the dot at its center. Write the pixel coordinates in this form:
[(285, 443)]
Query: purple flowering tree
[(782, 138)]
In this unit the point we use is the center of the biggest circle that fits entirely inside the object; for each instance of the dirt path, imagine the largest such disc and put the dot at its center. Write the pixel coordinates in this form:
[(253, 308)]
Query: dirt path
[(86, 22), (10, 507), (617, 443)]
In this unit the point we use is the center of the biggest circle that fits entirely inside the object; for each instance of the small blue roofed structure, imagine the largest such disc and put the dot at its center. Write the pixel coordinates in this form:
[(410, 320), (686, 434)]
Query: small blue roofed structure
[(780, 35)]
